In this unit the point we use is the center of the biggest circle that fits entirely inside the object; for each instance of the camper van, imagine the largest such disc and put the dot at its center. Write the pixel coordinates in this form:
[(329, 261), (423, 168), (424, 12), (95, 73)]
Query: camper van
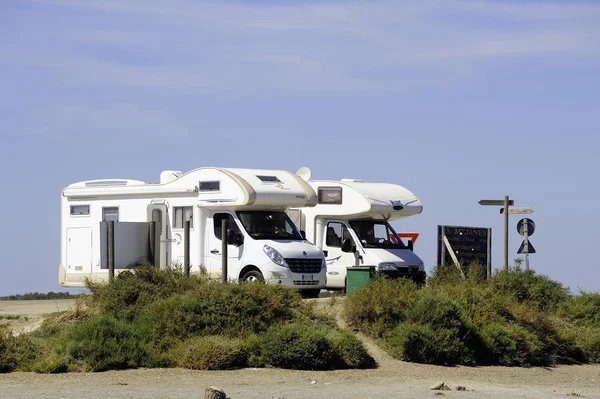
[(350, 223), (263, 243)]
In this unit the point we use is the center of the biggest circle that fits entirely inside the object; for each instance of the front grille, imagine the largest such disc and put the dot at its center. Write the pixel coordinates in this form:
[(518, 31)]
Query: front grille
[(301, 282), (408, 270), (305, 265)]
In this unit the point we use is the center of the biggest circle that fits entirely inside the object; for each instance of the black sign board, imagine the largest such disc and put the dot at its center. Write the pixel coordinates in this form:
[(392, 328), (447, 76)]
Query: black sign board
[(470, 245)]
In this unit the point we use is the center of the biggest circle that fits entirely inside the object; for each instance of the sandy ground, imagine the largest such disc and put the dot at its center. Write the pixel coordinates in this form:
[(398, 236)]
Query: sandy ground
[(392, 379), (31, 313)]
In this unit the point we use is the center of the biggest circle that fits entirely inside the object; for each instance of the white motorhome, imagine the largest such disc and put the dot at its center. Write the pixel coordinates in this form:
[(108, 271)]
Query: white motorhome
[(350, 223), (263, 242)]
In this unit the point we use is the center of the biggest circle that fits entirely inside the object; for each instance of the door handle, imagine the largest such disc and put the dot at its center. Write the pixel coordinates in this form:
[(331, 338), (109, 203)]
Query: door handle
[(214, 251)]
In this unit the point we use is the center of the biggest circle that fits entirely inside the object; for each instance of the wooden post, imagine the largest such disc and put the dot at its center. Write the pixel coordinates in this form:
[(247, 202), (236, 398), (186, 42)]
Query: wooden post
[(151, 239), (186, 250), (110, 231), (224, 226), (506, 232), (489, 255)]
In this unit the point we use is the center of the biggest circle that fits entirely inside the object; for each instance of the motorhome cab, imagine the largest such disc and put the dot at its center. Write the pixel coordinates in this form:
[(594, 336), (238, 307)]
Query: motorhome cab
[(350, 223), (263, 243)]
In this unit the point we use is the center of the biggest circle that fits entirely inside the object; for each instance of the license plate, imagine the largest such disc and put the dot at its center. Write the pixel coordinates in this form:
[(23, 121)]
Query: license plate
[(308, 277)]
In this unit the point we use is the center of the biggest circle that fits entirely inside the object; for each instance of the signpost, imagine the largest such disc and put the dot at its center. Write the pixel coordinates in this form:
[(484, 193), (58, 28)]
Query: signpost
[(506, 203), (465, 245), (526, 228), (522, 211)]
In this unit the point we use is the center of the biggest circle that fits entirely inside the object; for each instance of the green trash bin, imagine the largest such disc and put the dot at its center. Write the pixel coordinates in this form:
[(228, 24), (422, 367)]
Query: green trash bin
[(357, 277)]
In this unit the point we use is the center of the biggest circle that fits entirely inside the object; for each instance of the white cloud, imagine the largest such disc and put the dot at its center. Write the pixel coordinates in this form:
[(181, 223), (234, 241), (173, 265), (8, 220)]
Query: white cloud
[(218, 48)]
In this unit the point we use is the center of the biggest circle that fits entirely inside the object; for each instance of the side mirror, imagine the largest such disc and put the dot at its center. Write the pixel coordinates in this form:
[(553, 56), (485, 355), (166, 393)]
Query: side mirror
[(303, 234), (234, 239), (347, 246), (410, 245), (239, 239), (230, 236)]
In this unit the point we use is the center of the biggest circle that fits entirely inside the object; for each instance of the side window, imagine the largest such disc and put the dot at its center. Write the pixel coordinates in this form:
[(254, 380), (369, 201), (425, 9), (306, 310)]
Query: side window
[(329, 195), (381, 233), (218, 219), (80, 210), (182, 214), (333, 236), (110, 214)]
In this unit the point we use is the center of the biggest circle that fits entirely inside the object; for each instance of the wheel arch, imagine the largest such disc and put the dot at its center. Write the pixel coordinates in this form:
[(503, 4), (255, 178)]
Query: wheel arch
[(246, 269)]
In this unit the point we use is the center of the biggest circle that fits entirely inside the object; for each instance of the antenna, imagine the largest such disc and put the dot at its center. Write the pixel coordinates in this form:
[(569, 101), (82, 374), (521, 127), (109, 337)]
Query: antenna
[(304, 173)]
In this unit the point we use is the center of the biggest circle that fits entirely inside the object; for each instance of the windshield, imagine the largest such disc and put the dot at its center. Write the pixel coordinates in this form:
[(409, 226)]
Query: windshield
[(377, 234), (265, 225)]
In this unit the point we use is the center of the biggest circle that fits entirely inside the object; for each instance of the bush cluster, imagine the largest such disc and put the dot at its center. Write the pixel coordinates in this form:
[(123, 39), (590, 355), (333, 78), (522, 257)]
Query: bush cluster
[(515, 318), (148, 317)]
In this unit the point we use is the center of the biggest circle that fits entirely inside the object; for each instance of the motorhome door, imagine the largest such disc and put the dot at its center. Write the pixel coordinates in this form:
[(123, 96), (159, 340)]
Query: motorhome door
[(337, 260), (234, 252), (159, 245)]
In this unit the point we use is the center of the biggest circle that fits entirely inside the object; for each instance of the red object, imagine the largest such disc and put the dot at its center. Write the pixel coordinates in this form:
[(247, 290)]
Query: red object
[(412, 236)]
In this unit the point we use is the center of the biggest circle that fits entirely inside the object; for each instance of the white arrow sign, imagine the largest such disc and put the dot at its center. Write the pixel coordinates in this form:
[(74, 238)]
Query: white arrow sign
[(521, 211)]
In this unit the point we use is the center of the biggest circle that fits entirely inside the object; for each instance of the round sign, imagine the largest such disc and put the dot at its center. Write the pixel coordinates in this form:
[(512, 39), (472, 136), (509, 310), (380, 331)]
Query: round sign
[(530, 226)]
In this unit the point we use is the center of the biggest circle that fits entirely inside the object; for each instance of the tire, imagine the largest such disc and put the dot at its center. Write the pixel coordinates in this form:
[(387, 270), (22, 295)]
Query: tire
[(309, 293), (252, 276)]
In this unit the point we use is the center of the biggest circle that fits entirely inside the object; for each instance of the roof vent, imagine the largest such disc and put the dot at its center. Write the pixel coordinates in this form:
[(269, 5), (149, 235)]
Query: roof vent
[(167, 176)]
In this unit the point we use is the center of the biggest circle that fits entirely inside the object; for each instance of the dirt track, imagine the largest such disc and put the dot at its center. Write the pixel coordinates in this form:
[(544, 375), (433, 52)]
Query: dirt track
[(393, 379)]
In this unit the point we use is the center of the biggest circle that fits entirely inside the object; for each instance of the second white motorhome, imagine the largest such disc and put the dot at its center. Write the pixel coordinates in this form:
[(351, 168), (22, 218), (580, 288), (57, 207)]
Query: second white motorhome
[(264, 244), (350, 223)]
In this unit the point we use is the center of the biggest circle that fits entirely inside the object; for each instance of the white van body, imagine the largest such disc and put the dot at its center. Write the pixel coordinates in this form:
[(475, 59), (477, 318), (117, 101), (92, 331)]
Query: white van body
[(251, 199), (359, 212)]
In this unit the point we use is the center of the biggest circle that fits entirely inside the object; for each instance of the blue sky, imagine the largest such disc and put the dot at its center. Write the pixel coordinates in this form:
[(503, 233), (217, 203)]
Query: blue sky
[(457, 100)]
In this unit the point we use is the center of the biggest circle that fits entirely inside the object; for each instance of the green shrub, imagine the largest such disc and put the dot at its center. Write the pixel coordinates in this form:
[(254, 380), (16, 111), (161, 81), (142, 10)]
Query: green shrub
[(296, 346), (226, 309), (526, 286), (105, 343), (131, 290), (8, 349), (253, 348), (349, 351), (509, 345), (584, 308), (421, 343), (210, 353), (379, 306)]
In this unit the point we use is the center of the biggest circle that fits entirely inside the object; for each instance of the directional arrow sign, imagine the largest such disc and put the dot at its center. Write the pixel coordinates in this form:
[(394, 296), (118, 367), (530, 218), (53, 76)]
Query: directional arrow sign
[(526, 211), (496, 202)]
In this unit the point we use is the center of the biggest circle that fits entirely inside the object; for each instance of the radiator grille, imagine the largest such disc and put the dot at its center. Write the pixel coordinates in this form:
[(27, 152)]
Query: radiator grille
[(305, 265)]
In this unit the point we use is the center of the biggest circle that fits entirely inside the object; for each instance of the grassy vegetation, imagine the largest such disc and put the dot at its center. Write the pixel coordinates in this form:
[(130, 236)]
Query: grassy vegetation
[(516, 318), (154, 318)]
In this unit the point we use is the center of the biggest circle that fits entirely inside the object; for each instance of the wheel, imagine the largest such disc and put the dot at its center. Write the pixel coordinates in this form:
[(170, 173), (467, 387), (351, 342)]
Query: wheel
[(252, 276), (309, 293)]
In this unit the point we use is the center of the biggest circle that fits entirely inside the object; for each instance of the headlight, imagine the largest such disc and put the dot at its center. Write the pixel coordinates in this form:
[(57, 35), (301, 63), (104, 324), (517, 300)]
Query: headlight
[(275, 256), (387, 266), (421, 267)]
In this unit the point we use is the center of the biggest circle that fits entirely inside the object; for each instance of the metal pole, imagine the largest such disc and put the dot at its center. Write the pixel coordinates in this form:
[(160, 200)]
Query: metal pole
[(110, 231), (506, 232), (224, 225), (443, 247), (186, 248), (526, 243)]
